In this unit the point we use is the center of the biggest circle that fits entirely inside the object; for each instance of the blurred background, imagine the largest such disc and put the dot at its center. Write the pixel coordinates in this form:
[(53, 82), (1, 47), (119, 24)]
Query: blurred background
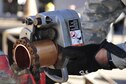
[(12, 12)]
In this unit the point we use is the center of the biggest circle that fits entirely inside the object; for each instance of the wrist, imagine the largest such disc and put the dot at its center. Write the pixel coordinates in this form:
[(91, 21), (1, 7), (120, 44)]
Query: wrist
[(101, 57), (110, 62)]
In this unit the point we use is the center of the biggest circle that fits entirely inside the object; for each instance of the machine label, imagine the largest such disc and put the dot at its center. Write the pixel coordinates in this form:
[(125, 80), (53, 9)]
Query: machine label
[(75, 32), (73, 25)]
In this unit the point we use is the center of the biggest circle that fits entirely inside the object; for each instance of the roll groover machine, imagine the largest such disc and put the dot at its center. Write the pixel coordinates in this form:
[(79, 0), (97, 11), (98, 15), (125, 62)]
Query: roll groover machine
[(39, 47)]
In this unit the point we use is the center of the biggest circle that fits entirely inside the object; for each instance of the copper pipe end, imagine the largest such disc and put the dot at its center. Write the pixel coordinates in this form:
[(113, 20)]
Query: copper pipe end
[(44, 53), (22, 56)]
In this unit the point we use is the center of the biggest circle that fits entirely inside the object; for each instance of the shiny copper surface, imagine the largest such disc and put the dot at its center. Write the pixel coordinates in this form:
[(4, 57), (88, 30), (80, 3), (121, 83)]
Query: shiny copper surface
[(43, 53), (47, 52)]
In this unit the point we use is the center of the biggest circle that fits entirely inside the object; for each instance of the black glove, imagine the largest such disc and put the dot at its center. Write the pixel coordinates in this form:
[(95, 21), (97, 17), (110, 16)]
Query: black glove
[(81, 58)]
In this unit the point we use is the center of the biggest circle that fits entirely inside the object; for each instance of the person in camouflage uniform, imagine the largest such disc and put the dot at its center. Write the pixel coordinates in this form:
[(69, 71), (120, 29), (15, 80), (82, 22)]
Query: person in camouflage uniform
[(96, 17), (97, 53)]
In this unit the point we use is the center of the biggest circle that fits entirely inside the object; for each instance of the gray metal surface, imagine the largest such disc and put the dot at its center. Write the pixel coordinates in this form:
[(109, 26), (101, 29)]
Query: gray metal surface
[(64, 22), (61, 18)]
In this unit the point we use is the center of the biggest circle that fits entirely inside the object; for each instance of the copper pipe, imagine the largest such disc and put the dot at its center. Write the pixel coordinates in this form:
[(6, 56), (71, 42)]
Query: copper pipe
[(22, 56), (25, 53), (47, 51)]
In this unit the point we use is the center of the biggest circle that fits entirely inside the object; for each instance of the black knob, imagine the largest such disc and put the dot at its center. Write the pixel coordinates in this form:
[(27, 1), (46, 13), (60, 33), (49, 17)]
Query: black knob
[(28, 21), (48, 20), (37, 21)]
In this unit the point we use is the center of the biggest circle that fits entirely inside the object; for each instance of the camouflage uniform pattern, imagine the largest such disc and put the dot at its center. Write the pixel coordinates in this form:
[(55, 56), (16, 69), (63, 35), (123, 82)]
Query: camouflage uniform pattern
[(119, 62), (124, 2), (96, 17)]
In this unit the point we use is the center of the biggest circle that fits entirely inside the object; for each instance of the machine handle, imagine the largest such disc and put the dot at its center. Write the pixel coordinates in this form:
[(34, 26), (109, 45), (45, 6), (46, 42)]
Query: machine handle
[(64, 72)]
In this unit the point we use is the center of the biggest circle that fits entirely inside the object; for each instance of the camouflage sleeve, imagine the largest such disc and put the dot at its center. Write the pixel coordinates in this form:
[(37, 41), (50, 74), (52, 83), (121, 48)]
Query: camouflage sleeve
[(119, 62), (96, 17), (124, 2)]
